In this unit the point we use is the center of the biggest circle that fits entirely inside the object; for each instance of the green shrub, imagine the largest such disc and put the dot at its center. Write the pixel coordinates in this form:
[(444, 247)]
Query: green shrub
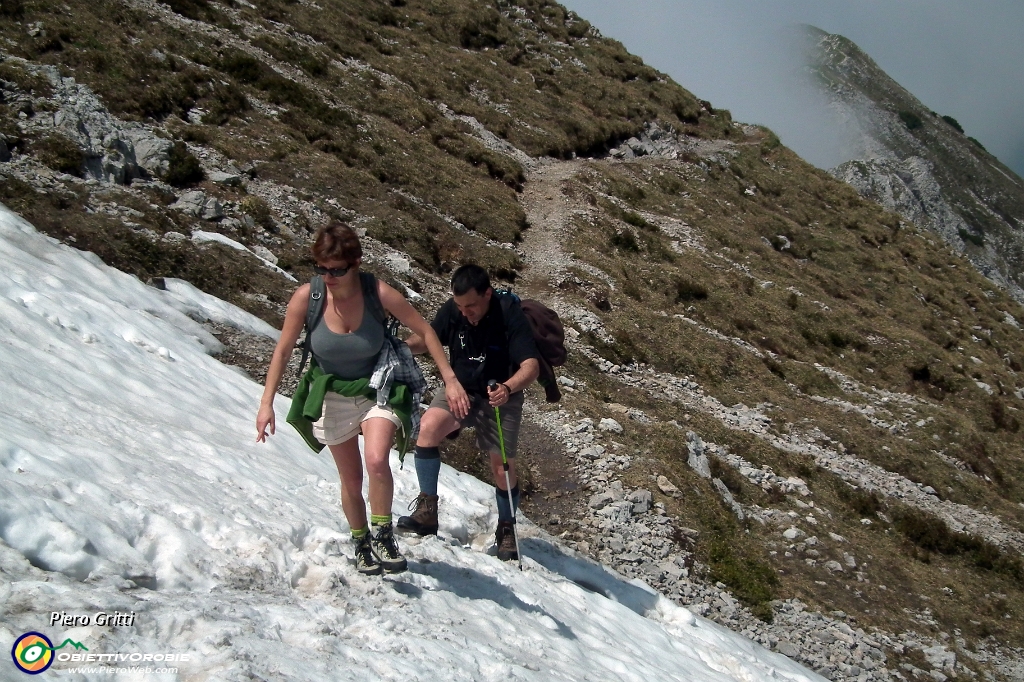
[(688, 290), (911, 120), (980, 145), (60, 153), (486, 28), (191, 9), (27, 82), (931, 534), (861, 502), (183, 168), (976, 239), (227, 101), (197, 134), (12, 9), (953, 122), (729, 476), (752, 581), (625, 240), (257, 209), (241, 67), (637, 220), (1001, 418)]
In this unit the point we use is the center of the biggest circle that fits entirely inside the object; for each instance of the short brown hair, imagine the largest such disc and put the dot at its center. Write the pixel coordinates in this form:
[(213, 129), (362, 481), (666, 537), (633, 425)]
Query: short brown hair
[(337, 241)]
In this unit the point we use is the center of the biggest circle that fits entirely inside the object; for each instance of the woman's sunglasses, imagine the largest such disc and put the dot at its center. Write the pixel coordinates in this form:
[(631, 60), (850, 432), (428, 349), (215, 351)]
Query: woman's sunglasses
[(333, 272)]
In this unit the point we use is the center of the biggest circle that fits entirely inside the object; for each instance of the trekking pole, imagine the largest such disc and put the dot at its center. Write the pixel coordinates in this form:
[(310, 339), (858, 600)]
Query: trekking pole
[(508, 486)]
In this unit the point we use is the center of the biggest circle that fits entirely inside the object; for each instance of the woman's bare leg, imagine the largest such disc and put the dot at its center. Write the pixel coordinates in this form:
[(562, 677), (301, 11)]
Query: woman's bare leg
[(350, 470), (378, 436)]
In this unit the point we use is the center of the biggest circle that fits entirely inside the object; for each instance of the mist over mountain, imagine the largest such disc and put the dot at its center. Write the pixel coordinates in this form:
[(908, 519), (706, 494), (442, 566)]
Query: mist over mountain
[(957, 58)]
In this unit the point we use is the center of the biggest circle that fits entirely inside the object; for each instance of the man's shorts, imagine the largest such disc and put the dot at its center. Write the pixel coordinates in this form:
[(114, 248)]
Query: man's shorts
[(343, 418), (481, 418)]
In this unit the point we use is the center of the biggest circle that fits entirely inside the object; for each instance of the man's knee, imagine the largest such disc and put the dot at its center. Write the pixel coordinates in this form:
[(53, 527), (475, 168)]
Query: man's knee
[(435, 424), (498, 467)]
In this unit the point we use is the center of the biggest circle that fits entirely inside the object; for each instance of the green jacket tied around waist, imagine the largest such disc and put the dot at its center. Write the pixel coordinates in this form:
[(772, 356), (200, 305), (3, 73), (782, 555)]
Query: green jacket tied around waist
[(308, 404)]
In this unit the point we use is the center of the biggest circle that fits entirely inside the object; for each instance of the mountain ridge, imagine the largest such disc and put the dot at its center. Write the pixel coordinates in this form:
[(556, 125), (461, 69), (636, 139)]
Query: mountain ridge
[(922, 165)]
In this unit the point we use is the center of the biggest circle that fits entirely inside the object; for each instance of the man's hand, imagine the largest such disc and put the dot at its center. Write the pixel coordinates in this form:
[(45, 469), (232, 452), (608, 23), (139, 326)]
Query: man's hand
[(458, 400), (497, 394)]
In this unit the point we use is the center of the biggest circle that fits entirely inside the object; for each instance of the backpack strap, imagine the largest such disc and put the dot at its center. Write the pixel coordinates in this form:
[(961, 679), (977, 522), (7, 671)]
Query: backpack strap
[(314, 313), (372, 302)]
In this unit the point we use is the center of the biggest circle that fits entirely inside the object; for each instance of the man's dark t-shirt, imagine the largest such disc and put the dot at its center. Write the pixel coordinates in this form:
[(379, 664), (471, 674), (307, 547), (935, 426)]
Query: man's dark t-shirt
[(493, 349)]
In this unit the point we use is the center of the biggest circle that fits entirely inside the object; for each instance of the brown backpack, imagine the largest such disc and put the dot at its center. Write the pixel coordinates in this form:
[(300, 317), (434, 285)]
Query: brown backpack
[(549, 335)]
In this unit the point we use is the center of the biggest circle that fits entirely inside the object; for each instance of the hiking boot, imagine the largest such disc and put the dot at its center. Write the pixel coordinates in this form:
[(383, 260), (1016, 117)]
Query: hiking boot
[(367, 562), (423, 520), (386, 548), (505, 539)]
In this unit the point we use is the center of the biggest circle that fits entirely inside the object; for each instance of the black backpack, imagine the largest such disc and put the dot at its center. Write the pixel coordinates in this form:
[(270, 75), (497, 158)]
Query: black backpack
[(315, 310)]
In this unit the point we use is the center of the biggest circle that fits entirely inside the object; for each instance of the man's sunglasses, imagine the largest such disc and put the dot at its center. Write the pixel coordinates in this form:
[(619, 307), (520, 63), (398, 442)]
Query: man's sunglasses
[(333, 272)]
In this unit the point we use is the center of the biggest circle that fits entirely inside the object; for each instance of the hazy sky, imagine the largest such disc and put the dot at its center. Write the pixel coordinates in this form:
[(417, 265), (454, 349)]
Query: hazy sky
[(961, 59)]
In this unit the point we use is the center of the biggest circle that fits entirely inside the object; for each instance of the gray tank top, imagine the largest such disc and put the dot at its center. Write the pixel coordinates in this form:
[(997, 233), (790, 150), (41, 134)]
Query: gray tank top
[(348, 356)]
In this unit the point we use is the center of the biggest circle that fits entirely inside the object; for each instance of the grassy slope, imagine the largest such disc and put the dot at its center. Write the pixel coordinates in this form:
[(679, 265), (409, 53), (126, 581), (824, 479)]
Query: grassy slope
[(897, 302), (358, 102)]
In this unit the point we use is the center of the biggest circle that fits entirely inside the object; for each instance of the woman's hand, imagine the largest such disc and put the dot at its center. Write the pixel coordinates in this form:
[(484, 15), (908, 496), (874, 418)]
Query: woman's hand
[(264, 418), (457, 399)]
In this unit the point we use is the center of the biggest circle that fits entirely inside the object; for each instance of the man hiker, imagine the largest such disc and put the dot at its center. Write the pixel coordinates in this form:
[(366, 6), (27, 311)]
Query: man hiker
[(488, 338)]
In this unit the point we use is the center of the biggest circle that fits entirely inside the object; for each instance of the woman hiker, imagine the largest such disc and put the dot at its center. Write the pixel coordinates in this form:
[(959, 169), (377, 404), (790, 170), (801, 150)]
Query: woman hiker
[(334, 401)]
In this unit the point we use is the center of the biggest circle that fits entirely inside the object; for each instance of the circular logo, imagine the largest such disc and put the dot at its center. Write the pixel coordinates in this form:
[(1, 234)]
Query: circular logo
[(32, 653)]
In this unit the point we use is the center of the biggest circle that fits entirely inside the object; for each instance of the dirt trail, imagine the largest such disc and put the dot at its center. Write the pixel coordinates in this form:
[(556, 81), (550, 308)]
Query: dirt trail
[(549, 210)]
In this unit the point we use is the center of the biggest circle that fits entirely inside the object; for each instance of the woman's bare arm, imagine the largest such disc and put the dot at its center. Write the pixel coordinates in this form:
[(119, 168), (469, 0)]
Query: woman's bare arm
[(294, 319)]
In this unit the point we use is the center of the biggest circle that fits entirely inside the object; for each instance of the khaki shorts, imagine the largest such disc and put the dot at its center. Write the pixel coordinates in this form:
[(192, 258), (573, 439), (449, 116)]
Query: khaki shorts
[(343, 417), (481, 418)]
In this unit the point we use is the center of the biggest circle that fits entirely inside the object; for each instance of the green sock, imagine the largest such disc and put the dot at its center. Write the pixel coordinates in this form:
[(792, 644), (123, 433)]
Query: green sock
[(377, 520), (358, 533)]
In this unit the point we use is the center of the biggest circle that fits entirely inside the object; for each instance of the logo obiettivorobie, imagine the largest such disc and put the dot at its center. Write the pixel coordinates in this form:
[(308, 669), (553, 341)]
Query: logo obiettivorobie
[(33, 652)]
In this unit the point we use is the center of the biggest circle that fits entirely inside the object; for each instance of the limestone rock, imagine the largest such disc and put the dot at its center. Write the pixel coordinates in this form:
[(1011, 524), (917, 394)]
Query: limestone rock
[(642, 501), (697, 460), (787, 649), (667, 487), (399, 264), (727, 496), (264, 253), (153, 154), (212, 209), (191, 203), (222, 178)]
